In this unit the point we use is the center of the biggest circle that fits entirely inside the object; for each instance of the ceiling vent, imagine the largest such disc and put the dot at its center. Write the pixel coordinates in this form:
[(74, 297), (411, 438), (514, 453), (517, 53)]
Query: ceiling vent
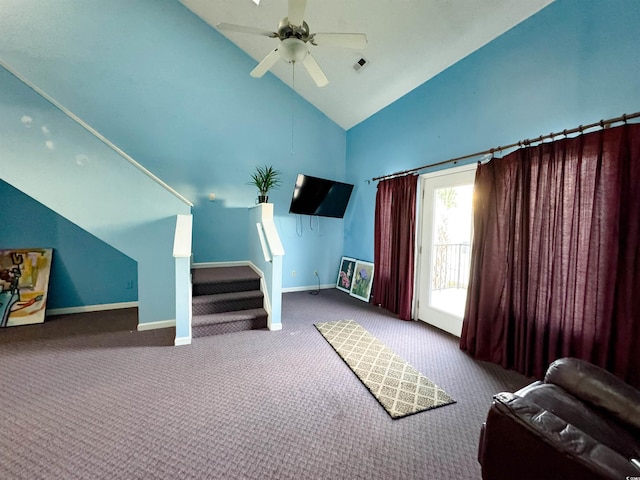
[(360, 64)]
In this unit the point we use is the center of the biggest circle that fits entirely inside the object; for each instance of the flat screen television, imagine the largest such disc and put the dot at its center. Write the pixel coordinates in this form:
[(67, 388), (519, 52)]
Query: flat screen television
[(319, 196)]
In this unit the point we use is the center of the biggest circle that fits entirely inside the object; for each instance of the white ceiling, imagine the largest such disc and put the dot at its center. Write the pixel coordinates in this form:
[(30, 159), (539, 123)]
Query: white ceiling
[(409, 42)]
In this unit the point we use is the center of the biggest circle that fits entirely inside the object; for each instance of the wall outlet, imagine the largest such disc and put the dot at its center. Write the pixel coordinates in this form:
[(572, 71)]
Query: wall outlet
[(315, 272), (293, 273)]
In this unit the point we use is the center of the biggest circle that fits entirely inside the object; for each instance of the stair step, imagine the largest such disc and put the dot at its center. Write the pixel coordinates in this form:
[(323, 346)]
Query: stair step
[(225, 302), (228, 322), (208, 281), (226, 299)]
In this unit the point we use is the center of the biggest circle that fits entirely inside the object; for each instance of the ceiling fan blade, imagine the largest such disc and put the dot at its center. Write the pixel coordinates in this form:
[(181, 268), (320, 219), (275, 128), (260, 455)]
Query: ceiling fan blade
[(347, 40), (296, 11), (315, 71), (230, 27), (265, 65)]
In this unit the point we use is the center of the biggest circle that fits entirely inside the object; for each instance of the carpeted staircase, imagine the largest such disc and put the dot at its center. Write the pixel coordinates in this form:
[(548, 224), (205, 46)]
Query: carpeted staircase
[(226, 299)]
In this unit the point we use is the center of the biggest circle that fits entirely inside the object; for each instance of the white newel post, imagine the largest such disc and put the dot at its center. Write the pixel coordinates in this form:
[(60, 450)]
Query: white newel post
[(266, 254)]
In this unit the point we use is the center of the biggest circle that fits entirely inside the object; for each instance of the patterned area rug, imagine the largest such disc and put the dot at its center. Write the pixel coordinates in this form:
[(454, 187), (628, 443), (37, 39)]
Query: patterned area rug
[(400, 388)]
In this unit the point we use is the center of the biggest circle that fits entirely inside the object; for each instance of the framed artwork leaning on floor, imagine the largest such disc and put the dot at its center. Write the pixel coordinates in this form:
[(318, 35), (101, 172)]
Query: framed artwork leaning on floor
[(362, 280), (345, 274), (24, 283)]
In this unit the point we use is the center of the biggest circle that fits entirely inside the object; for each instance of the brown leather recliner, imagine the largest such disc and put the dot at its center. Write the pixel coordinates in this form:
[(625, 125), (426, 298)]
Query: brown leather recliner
[(581, 422)]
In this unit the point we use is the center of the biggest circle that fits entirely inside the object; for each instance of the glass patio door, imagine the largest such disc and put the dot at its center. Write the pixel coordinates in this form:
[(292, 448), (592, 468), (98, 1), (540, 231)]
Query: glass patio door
[(444, 250)]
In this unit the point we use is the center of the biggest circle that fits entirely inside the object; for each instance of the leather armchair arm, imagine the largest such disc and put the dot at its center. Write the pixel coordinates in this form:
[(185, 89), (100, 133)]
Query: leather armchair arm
[(518, 434), (598, 387)]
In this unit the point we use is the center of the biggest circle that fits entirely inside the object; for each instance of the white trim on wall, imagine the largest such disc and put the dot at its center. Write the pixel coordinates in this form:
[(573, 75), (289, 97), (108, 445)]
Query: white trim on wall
[(155, 325), (257, 270), (113, 306), (240, 263), (303, 288), (308, 288), (182, 341), (94, 132), (91, 308)]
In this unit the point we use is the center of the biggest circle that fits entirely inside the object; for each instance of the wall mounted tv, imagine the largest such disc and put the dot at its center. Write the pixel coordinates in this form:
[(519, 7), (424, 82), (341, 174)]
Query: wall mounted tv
[(319, 196)]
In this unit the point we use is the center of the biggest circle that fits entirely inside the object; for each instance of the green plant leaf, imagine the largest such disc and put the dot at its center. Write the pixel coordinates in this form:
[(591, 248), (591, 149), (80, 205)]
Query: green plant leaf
[(265, 179)]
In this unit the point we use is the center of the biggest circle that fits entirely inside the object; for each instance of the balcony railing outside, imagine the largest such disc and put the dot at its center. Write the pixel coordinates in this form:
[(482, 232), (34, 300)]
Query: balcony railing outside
[(451, 266)]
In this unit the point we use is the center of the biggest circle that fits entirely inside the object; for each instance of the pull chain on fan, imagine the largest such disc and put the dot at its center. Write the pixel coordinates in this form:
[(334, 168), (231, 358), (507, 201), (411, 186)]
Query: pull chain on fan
[(293, 103)]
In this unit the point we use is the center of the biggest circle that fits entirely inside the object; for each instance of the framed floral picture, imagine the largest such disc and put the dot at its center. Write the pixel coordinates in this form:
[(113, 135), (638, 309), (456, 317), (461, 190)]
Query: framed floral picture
[(362, 280), (345, 274)]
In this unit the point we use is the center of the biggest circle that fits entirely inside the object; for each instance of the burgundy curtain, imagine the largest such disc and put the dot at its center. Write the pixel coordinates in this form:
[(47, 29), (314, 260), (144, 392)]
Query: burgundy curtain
[(555, 268), (394, 242)]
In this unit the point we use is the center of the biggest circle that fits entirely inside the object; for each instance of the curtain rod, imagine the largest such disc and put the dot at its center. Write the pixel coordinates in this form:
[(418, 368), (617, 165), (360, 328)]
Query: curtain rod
[(521, 143)]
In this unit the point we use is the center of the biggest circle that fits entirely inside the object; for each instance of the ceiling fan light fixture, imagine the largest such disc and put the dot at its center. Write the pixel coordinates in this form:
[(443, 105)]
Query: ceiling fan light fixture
[(293, 50), (295, 37)]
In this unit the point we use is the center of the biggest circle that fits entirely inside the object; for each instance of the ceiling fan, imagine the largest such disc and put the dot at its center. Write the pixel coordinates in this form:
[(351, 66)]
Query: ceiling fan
[(295, 38)]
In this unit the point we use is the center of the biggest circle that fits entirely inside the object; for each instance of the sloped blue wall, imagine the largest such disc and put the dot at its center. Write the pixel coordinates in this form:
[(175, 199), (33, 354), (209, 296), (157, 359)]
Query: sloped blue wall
[(47, 155), (574, 62), (177, 96), (84, 271)]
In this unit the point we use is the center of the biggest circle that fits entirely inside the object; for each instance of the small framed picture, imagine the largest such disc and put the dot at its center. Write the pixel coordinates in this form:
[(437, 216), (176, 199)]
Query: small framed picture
[(345, 275), (362, 280)]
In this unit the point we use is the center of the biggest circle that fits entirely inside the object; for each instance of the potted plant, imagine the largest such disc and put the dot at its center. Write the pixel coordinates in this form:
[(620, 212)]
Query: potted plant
[(264, 179)]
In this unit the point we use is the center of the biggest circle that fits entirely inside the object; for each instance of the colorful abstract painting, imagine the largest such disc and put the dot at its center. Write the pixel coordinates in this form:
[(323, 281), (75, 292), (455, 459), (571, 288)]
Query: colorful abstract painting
[(24, 282)]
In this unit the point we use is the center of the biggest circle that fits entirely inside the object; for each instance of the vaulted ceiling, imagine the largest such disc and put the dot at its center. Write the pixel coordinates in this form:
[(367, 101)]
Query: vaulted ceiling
[(409, 42)]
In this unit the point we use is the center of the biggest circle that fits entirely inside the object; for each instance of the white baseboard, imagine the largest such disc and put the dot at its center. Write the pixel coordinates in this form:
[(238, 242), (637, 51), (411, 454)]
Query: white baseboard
[(182, 341), (155, 325), (255, 269), (91, 308), (275, 327), (239, 263), (311, 288)]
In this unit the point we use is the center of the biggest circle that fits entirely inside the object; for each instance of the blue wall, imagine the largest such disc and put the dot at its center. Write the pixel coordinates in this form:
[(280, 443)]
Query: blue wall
[(177, 96), (575, 62), (53, 159), (84, 271)]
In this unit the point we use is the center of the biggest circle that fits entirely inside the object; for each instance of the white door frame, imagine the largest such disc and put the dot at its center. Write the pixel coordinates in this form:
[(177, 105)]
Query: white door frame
[(420, 227)]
